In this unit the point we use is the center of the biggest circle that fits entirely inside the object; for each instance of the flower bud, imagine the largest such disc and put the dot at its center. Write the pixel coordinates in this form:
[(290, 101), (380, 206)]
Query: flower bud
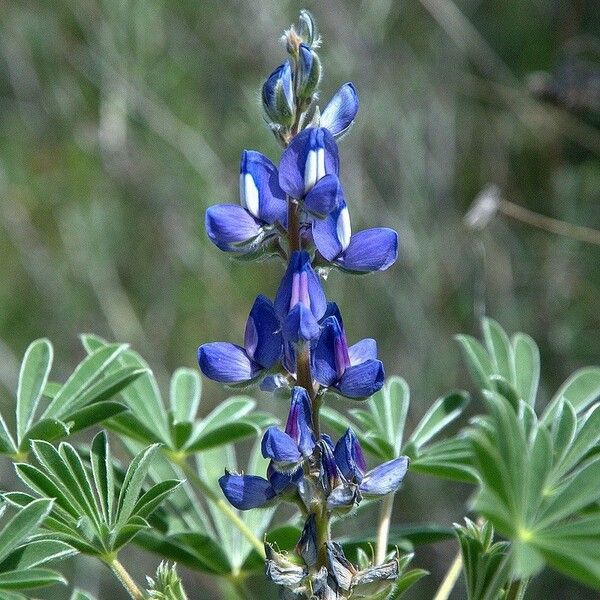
[(307, 28), (278, 95), (309, 71)]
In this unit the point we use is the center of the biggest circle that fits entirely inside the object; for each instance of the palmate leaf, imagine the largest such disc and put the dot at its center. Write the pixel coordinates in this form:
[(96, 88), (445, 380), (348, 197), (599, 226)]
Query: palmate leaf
[(185, 392), (33, 376), (503, 364), (22, 556), (532, 496), (193, 550), (538, 475), (380, 430), (89, 512), (84, 399), (581, 390), (177, 428), (142, 397)]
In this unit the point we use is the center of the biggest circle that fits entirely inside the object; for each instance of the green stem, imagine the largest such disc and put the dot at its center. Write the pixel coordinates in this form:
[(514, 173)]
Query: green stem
[(450, 580), (126, 580), (517, 588), (220, 503), (235, 588)]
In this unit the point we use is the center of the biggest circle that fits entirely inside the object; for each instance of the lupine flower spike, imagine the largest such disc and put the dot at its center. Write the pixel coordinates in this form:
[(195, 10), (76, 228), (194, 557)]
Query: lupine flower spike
[(299, 212)]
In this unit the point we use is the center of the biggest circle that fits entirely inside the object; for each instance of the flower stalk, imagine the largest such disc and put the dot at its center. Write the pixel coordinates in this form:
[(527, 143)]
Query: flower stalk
[(126, 580), (450, 579), (383, 528)]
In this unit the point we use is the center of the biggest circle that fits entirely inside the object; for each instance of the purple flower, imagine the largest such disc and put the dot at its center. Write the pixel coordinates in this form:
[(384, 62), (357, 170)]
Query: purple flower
[(229, 363), (382, 480), (369, 250), (355, 371), (287, 449), (311, 155), (300, 301), (340, 113), (350, 458), (246, 491), (251, 491), (245, 228), (278, 95), (326, 195)]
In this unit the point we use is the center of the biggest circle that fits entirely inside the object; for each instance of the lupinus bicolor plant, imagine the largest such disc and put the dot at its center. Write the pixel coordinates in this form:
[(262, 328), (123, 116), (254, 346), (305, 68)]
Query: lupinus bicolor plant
[(297, 342)]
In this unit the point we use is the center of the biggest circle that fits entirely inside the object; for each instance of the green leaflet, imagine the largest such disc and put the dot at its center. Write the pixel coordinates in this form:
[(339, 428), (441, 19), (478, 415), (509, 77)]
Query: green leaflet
[(90, 512), (22, 558), (82, 401), (380, 429), (178, 429), (33, 376)]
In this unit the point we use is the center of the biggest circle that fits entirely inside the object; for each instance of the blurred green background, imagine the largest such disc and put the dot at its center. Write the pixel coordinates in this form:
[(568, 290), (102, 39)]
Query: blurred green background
[(121, 121)]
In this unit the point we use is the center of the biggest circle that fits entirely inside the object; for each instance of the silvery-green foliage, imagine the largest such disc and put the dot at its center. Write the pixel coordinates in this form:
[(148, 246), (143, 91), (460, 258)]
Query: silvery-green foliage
[(24, 555), (46, 410), (538, 472), (176, 426), (92, 511), (380, 429), (485, 566)]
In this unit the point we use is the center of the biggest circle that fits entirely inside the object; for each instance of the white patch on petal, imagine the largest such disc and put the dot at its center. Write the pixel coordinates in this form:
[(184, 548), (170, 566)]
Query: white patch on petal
[(330, 114), (320, 163), (343, 228), (249, 197), (310, 171)]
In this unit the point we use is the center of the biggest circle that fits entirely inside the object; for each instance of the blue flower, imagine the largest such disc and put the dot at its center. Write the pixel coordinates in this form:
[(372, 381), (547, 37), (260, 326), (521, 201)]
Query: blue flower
[(383, 479), (260, 193), (300, 301), (232, 364), (369, 250), (355, 371), (278, 95), (340, 113), (287, 449), (350, 457), (246, 491), (244, 228), (311, 155), (324, 197)]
